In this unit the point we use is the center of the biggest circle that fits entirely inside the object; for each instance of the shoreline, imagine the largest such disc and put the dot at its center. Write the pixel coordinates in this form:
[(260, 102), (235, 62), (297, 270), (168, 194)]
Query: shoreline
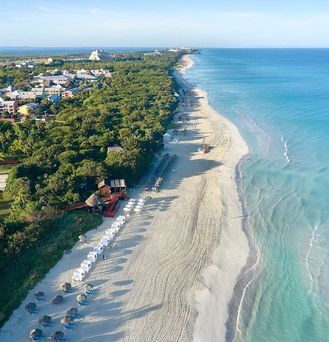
[(172, 276), (233, 302)]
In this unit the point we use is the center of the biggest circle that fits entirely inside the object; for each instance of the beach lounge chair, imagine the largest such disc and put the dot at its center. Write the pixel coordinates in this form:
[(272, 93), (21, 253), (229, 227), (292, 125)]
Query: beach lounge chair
[(35, 335)]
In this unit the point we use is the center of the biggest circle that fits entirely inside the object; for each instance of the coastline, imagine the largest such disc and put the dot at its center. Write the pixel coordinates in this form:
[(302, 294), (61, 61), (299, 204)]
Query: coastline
[(173, 274), (217, 305)]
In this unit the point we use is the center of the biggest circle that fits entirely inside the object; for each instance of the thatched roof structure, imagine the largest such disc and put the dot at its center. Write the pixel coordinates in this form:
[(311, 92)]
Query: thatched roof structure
[(67, 319), (31, 307), (72, 312), (44, 320), (66, 287), (35, 334), (92, 201), (39, 295), (58, 335), (58, 300), (81, 297), (88, 287)]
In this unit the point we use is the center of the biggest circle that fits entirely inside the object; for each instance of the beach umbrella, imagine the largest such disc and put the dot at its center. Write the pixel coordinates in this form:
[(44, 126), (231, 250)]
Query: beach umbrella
[(39, 295), (72, 312), (44, 320), (132, 200), (82, 238), (137, 210), (82, 299), (92, 201), (127, 209), (35, 334), (67, 319), (58, 300), (88, 286), (31, 307), (66, 287), (58, 335)]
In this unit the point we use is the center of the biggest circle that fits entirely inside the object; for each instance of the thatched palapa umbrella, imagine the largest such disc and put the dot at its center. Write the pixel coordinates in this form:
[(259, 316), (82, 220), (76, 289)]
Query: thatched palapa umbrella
[(58, 300), (92, 201), (88, 286), (58, 336), (66, 287), (35, 334), (72, 312), (31, 307), (45, 320), (81, 298), (67, 320), (39, 295)]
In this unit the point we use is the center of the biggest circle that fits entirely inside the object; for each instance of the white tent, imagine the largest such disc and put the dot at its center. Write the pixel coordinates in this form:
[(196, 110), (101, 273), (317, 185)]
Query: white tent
[(86, 265), (99, 249), (127, 209), (92, 256), (110, 233), (105, 241), (121, 219), (78, 274), (132, 200), (166, 138), (138, 210)]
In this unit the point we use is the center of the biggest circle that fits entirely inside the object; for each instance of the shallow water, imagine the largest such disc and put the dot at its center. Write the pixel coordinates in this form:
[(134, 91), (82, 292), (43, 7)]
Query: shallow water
[(279, 99)]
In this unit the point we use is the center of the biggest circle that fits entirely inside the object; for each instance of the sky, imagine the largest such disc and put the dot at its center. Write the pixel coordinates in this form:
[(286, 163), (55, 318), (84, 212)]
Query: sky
[(164, 23)]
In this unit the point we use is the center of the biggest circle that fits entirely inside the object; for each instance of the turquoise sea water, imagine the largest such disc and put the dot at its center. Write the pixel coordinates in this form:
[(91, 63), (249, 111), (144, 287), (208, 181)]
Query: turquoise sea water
[(279, 99)]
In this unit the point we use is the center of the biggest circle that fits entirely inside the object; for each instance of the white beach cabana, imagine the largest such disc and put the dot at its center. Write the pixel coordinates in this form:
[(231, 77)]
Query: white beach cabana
[(78, 274), (105, 241), (99, 249), (110, 233), (166, 138), (92, 256), (86, 265)]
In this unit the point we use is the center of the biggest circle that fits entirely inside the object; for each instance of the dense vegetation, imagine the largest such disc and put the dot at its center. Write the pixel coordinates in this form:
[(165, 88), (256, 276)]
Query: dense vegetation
[(62, 161)]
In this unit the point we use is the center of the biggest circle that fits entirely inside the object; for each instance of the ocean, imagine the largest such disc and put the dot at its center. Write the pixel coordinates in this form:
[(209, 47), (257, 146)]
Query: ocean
[(26, 50), (279, 100)]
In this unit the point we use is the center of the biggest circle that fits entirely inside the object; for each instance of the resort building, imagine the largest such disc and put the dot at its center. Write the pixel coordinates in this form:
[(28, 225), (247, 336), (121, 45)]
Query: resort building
[(54, 90), (8, 106), (70, 92), (60, 79)]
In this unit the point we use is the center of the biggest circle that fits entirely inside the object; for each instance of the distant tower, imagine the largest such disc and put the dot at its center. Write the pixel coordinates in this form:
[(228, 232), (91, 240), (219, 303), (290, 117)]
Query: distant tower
[(99, 55)]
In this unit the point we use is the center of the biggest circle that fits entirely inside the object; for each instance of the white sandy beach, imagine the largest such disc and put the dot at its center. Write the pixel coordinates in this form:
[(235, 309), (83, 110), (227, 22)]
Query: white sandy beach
[(173, 273)]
